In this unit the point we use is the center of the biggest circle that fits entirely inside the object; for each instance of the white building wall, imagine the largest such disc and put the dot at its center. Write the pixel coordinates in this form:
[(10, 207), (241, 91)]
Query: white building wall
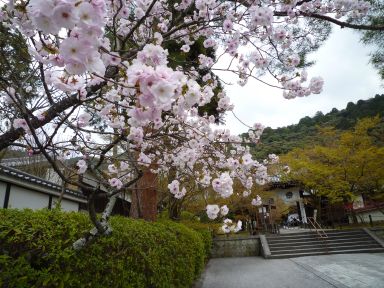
[(364, 217), (23, 198), (3, 187), (282, 194), (66, 205)]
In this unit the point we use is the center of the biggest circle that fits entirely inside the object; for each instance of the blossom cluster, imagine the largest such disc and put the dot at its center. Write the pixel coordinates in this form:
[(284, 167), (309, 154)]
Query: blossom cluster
[(223, 185), (175, 189), (78, 52), (129, 65), (229, 227), (257, 201), (213, 211)]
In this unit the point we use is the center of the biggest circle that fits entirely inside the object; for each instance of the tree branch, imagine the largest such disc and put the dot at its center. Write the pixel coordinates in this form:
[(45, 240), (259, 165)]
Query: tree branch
[(13, 135), (323, 17), (138, 23), (335, 21)]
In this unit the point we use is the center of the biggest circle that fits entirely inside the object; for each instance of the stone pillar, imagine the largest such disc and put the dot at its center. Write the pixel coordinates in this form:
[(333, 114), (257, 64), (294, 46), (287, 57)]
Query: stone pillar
[(302, 211)]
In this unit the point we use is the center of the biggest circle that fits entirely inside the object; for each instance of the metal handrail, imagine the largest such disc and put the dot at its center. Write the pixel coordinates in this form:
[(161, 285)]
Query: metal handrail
[(319, 231)]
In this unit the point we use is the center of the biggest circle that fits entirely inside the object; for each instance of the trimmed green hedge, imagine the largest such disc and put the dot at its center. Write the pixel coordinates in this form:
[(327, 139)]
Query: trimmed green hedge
[(205, 231), (35, 251)]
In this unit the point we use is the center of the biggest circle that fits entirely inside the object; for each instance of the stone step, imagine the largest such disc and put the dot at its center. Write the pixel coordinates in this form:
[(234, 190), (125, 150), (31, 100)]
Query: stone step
[(346, 234), (320, 243), (309, 243), (347, 251), (351, 231), (314, 239), (309, 235), (295, 234), (329, 249)]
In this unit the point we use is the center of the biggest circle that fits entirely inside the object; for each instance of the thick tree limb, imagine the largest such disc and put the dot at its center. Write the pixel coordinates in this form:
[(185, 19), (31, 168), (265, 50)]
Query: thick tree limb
[(342, 24), (102, 226), (14, 134), (55, 110)]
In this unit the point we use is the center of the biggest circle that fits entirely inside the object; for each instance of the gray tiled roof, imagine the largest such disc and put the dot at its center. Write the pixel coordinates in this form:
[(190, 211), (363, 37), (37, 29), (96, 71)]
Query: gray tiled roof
[(22, 176)]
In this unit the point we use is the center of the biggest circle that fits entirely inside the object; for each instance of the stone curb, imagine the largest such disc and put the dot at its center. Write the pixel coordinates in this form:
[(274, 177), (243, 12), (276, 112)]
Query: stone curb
[(374, 236), (234, 239), (265, 251)]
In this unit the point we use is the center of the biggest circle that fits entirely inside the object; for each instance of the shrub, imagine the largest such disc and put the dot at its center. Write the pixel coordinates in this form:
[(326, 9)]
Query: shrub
[(205, 231), (188, 216), (35, 251)]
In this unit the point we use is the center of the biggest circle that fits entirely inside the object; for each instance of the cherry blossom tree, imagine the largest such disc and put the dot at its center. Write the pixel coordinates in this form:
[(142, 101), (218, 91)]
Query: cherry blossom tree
[(140, 72)]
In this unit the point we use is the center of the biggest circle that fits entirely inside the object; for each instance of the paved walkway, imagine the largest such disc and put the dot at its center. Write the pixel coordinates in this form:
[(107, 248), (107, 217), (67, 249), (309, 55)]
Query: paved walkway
[(345, 270)]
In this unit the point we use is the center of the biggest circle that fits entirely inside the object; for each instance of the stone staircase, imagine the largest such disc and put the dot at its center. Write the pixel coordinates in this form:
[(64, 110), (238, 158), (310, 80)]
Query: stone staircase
[(309, 244)]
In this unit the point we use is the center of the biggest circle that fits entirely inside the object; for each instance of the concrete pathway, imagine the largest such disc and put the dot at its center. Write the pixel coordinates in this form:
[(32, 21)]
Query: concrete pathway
[(342, 271)]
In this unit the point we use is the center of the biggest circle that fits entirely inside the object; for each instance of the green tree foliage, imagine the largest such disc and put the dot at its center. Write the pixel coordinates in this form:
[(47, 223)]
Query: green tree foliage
[(282, 140), (347, 164), (16, 65), (189, 60), (14, 56), (376, 38)]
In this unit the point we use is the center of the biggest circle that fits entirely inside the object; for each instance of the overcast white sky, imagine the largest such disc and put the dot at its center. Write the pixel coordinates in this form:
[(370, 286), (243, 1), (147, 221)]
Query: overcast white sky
[(343, 62)]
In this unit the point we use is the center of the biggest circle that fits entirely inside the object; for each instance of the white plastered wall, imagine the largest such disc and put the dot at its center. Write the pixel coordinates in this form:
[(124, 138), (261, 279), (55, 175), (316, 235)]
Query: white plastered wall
[(66, 205), (3, 187), (23, 198)]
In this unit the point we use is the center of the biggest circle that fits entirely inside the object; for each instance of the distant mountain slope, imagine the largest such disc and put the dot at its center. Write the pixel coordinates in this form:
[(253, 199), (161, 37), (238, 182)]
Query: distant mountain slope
[(282, 140)]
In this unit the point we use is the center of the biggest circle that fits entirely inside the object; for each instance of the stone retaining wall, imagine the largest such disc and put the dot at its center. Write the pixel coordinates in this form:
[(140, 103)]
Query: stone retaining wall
[(236, 247)]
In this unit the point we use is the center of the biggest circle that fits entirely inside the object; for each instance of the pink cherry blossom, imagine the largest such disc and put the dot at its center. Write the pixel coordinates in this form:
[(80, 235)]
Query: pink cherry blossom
[(227, 25), (82, 166), (212, 211), (257, 201), (83, 119), (224, 210), (65, 15), (107, 61), (115, 182), (21, 123)]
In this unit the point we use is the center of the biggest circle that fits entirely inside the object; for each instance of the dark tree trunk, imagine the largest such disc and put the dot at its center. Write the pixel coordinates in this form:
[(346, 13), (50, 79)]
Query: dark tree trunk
[(174, 209), (144, 198)]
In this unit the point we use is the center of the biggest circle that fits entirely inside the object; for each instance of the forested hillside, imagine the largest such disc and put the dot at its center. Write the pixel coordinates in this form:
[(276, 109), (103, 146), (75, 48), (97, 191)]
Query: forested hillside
[(282, 140)]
